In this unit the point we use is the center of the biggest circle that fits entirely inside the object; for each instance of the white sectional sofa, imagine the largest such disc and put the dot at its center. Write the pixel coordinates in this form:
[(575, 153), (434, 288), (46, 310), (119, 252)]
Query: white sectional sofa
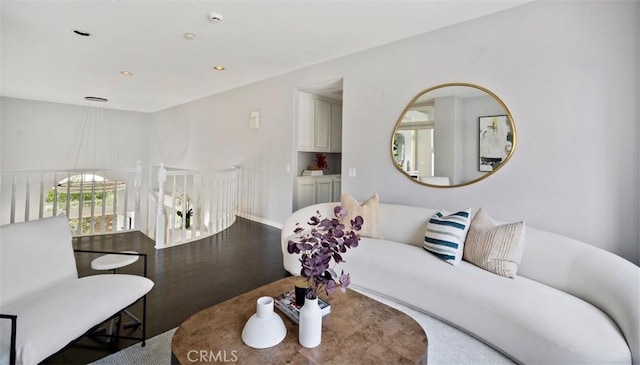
[(570, 303), (39, 285)]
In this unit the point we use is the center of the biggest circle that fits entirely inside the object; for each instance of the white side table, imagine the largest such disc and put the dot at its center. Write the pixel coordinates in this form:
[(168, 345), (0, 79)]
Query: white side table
[(115, 262)]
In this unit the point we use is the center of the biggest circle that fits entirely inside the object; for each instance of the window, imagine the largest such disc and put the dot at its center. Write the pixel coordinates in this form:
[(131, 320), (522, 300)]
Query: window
[(88, 200)]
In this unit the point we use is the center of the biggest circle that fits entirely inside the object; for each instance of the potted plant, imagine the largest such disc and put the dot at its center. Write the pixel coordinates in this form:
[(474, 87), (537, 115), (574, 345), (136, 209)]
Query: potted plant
[(186, 218), (327, 241), (321, 161), (182, 201)]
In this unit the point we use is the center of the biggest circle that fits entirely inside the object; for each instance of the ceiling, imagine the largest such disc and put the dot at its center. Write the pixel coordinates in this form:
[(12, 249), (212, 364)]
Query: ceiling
[(42, 59)]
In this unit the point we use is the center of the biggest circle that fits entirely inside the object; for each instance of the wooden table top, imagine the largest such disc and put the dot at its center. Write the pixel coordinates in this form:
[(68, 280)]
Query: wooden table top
[(358, 330)]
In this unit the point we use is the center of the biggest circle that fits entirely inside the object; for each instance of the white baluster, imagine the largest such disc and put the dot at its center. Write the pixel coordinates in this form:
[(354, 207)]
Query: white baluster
[(41, 203), (183, 225), (172, 218), (80, 205), (103, 226), (212, 205), (27, 198), (138, 185), (114, 221), (219, 211), (125, 207), (68, 205), (235, 182), (12, 218), (162, 177), (92, 210), (197, 192), (55, 194)]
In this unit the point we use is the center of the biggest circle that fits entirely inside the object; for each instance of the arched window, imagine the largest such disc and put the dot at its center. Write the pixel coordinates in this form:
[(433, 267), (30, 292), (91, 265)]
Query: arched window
[(88, 200)]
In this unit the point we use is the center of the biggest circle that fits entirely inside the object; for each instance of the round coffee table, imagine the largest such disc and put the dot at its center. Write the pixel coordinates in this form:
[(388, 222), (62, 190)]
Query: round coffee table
[(358, 330)]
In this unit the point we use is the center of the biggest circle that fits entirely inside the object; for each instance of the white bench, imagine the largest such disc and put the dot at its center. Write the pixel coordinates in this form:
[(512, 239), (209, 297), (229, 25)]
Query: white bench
[(44, 305)]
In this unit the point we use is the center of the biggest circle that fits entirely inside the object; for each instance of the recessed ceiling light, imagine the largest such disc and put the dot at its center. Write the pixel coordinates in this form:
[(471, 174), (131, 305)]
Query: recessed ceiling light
[(82, 33), (96, 98), (215, 17), (126, 73), (189, 36), (218, 68)]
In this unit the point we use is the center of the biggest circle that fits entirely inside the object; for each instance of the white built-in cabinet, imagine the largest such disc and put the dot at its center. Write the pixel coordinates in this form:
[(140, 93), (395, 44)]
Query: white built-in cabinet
[(319, 124), (306, 192), (317, 189), (337, 186)]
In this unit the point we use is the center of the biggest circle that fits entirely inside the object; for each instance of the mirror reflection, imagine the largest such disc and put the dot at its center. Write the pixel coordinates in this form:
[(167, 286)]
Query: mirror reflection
[(453, 135)]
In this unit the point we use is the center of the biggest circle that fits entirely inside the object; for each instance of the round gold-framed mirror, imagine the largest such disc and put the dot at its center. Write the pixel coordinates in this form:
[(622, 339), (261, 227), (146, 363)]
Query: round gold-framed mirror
[(453, 135)]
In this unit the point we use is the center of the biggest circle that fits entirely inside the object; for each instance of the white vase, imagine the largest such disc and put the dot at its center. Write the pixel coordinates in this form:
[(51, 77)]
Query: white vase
[(265, 328), (310, 324)]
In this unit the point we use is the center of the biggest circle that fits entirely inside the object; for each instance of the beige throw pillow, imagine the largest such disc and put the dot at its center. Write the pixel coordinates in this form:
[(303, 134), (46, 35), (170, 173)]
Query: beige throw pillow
[(497, 249), (368, 210)]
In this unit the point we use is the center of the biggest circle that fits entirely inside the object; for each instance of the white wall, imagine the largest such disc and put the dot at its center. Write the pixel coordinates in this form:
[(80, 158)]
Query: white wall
[(39, 135), (214, 133), (446, 131), (567, 70)]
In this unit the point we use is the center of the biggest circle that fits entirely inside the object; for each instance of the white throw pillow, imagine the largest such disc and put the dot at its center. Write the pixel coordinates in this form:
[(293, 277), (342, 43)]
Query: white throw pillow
[(497, 249), (446, 234)]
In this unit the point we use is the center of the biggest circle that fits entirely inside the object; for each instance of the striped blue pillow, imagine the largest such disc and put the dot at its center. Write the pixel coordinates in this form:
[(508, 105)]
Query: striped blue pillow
[(446, 233)]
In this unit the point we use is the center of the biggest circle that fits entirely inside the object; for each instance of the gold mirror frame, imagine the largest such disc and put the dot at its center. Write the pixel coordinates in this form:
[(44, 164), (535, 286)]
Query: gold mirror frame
[(409, 106)]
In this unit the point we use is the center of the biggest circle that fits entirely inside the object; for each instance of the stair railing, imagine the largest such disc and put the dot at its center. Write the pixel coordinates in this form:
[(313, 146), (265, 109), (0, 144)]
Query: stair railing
[(96, 201), (190, 205)]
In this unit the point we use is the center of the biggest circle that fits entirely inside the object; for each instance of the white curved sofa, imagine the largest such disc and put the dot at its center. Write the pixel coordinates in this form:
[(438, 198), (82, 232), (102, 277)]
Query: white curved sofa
[(571, 303)]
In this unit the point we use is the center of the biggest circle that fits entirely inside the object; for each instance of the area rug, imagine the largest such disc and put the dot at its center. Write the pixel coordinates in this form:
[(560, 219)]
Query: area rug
[(447, 345), (156, 351)]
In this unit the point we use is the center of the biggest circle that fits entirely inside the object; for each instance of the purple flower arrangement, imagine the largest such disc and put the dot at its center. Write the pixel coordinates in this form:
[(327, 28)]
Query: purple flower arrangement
[(327, 240)]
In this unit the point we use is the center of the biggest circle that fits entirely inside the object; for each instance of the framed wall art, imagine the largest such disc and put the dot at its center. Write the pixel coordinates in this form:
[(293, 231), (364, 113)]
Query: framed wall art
[(496, 141)]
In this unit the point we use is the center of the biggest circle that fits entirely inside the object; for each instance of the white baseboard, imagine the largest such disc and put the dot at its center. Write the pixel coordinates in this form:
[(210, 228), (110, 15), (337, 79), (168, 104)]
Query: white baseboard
[(259, 220)]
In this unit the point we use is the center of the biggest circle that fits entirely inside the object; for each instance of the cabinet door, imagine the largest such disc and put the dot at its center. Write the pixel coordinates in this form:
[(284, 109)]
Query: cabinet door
[(306, 192), (337, 188), (336, 127), (306, 124), (324, 190), (322, 125)]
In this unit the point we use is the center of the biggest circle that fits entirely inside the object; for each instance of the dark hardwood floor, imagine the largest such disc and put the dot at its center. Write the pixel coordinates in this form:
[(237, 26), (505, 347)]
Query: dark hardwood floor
[(187, 278)]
